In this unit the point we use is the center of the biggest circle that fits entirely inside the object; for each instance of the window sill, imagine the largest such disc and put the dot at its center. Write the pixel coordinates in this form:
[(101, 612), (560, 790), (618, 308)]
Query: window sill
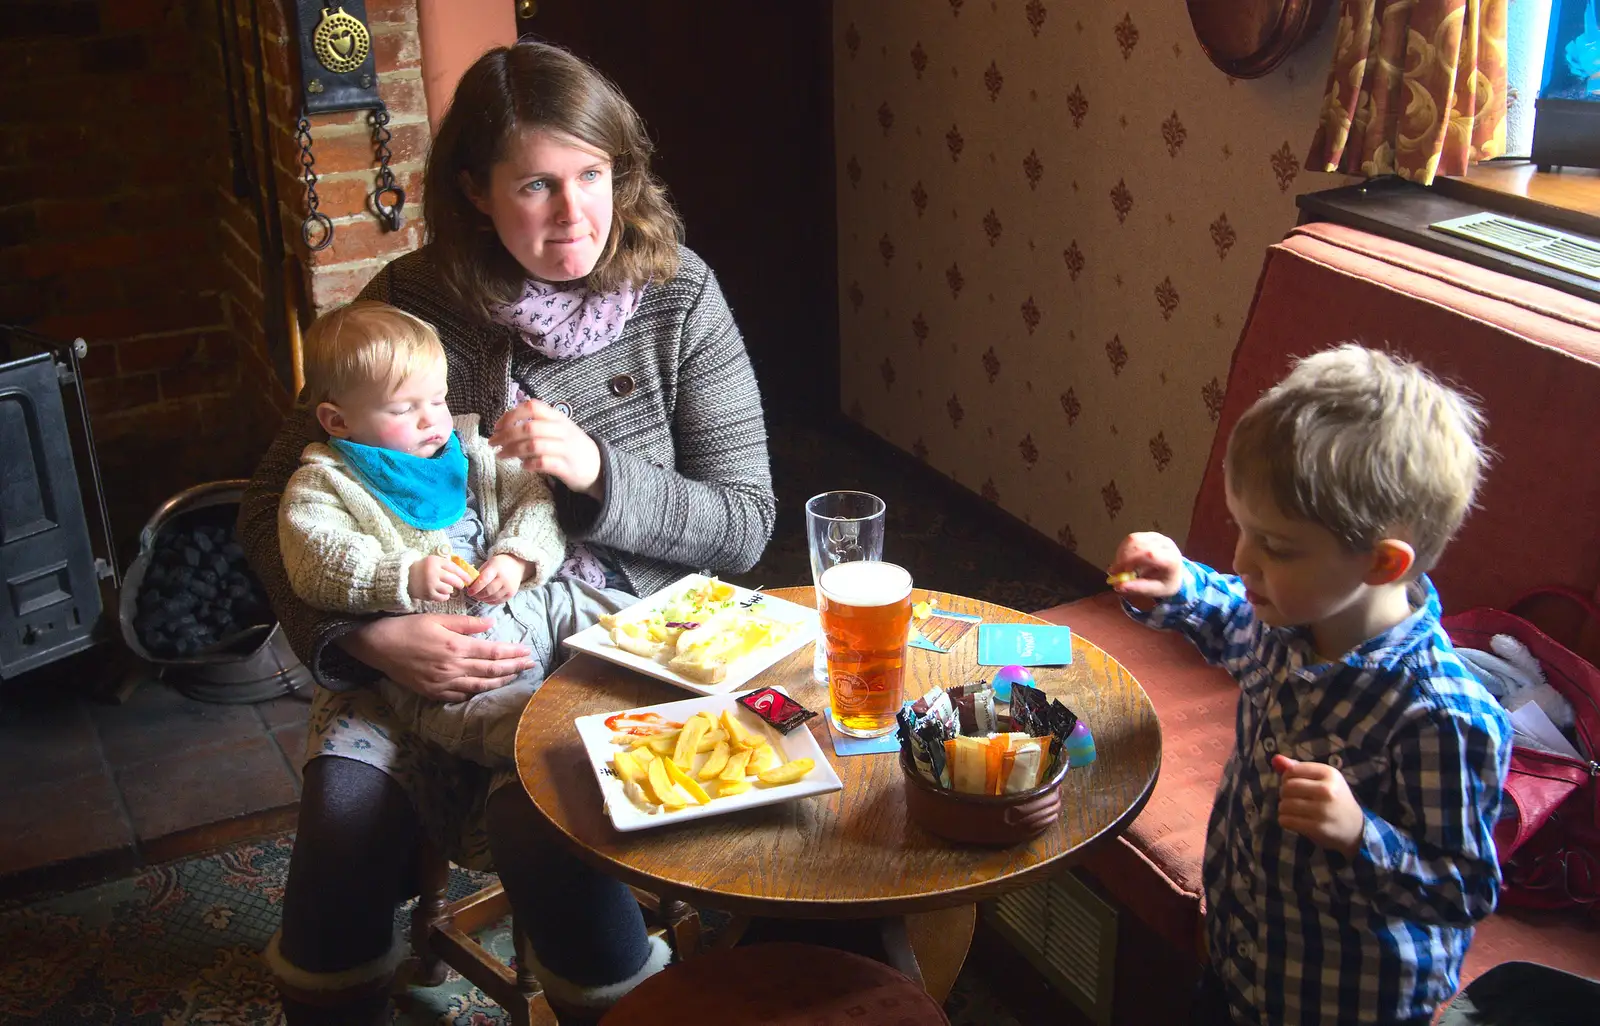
[(1568, 199)]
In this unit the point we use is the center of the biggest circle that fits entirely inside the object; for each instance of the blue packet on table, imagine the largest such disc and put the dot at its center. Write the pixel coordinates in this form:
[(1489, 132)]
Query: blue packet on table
[(1024, 644)]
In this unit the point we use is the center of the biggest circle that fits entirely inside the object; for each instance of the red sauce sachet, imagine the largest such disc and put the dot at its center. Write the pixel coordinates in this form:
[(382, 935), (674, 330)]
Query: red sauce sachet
[(776, 708)]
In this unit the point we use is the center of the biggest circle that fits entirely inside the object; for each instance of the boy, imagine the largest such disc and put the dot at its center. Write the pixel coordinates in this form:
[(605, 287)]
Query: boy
[(1349, 850), (371, 520)]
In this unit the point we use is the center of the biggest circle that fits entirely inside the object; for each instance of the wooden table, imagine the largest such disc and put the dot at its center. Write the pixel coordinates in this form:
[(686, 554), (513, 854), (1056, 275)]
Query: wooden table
[(851, 854)]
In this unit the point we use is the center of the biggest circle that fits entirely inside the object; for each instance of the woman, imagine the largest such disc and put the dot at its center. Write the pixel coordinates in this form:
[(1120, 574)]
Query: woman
[(606, 357)]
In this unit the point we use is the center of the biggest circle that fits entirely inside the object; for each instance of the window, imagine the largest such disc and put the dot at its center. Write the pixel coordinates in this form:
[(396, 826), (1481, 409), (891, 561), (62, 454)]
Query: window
[(1527, 31)]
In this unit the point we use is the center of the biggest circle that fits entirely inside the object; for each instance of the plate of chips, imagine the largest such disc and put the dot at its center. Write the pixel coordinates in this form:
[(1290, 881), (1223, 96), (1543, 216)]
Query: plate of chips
[(701, 634), (702, 757)]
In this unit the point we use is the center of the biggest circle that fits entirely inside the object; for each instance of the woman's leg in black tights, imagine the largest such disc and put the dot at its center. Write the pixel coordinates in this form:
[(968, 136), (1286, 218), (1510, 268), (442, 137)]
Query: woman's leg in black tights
[(584, 926), (354, 860)]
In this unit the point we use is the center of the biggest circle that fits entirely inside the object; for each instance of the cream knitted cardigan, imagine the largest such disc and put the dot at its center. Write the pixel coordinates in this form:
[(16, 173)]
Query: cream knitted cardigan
[(345, 551)]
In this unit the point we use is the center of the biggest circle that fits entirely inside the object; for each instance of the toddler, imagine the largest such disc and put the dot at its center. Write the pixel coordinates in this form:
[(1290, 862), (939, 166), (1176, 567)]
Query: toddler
[(370, 521)]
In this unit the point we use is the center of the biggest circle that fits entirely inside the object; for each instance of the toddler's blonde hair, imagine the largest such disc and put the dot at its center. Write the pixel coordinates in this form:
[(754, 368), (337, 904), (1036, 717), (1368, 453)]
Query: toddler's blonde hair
[(1368, 446), (366, 342)]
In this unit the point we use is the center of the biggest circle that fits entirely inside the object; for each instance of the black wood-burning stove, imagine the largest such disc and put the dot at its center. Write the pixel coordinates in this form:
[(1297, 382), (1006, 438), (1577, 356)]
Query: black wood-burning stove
[(50, 602)]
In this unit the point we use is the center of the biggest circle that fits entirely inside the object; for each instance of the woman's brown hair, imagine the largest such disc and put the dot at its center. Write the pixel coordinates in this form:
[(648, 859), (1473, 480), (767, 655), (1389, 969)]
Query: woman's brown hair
[(538, 86)]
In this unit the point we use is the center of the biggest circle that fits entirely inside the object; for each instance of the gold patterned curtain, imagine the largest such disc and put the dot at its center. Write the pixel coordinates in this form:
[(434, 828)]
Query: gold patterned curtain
[(1418, 88)]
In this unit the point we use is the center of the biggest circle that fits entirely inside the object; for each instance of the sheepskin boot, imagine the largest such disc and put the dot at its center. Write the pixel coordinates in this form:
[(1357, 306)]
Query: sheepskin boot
[(358, 996)]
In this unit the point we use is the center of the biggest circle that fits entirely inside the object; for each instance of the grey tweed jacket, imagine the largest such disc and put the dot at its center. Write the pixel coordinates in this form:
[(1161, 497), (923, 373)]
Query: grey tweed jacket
[(672, 404)]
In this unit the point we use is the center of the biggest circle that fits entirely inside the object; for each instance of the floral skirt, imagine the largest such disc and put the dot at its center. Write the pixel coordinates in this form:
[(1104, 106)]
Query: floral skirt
[(449, 794)]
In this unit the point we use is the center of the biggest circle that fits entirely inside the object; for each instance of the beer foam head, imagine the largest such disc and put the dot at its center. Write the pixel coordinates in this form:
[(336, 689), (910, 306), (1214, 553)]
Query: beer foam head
[(865, 583)]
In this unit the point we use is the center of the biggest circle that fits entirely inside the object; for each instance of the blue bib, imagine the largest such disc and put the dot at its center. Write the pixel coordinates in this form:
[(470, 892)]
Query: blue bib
[(428, 493)]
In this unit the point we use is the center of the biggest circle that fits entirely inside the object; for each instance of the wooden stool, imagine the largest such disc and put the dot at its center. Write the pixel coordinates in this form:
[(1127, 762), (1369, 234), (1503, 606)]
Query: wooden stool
[(780, 985), (441, 936)]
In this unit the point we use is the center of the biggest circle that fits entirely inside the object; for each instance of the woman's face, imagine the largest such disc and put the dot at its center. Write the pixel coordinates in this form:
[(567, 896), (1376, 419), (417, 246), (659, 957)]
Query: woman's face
[(550, 201)]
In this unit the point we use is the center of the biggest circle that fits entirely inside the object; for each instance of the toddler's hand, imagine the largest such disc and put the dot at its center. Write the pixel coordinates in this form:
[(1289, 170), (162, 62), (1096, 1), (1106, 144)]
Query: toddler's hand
[(435, 579), (1315, 802), (1156, 561), (498, 579)]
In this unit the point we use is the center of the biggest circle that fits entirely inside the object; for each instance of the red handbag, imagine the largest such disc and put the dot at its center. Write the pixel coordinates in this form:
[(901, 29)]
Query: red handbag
[(1548, 836)]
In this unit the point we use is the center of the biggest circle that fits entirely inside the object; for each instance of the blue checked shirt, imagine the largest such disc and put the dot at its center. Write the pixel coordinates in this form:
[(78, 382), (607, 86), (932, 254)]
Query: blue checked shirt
[(1302, 934)]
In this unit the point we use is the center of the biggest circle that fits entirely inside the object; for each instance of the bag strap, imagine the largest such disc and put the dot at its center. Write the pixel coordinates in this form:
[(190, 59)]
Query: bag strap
[(1590, 607), (1583, 638)]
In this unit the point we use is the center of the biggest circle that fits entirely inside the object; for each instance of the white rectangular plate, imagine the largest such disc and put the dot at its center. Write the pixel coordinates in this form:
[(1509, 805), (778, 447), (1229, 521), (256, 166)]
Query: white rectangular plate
[(596, 641), (627, 817)]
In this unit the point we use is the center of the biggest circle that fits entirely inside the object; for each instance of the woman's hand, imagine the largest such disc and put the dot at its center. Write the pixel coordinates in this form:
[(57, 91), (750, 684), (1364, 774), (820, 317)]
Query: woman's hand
[(437, 656), (548, 442)]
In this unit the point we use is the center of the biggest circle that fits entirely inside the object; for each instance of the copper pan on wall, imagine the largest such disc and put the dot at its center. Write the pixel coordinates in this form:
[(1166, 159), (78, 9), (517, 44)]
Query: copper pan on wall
[(1248, 38)]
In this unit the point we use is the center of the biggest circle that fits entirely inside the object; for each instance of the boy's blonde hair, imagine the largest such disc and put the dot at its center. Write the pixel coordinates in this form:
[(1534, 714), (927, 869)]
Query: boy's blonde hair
[(365, 342), (1366, 445)]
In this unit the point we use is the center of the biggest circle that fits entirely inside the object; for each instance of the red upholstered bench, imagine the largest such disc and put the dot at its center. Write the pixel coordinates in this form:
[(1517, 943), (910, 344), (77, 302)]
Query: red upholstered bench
[(1533, 356)]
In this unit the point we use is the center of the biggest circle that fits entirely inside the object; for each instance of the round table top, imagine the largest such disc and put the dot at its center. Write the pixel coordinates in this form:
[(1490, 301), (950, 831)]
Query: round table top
[(852, 853)]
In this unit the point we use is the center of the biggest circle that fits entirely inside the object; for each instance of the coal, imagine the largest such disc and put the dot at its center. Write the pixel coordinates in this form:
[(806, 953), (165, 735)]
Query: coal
[(197, 591)]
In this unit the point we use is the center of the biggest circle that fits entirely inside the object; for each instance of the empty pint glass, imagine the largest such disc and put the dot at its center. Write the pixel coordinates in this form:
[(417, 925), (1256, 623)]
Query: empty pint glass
[(866, 617)]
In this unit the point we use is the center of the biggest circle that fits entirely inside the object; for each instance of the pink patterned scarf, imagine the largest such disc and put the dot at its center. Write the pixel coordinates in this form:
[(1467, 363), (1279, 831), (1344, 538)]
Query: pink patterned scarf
[(565, 322), (561, 324)]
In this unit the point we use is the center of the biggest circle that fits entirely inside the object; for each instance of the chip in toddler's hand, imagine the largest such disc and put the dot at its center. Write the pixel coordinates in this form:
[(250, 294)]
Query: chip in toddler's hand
[(776, 708), (466, 568)]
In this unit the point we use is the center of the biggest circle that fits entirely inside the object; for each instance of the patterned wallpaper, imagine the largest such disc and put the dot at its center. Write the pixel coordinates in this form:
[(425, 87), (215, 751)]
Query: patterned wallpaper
[(1052, 215)]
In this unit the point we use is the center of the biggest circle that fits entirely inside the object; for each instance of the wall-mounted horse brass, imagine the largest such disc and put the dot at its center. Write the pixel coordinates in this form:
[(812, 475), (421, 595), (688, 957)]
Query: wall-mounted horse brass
[(337, 73)]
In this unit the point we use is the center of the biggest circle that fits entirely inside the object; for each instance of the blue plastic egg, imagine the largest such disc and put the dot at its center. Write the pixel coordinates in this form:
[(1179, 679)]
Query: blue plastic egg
[(1079, 746), (1007, 676)]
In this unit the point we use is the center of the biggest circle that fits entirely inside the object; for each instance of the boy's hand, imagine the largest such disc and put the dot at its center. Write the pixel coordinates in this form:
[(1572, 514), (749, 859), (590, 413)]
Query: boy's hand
[(1156, 560), (498, 579), (1315, 802), (435, 579)]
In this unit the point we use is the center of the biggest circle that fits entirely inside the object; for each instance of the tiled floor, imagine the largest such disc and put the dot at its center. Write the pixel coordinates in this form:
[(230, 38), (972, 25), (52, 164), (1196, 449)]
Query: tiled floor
[(89, 789)]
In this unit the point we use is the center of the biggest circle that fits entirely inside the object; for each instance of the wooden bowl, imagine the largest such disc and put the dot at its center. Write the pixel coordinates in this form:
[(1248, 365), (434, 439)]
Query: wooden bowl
[(982, 818)]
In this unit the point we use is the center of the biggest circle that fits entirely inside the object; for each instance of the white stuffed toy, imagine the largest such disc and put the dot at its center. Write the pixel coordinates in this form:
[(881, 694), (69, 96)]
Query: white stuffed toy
[(1513, 676)]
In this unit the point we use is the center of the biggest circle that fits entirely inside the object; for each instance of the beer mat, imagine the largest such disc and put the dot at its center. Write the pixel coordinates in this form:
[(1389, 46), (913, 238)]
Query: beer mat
[(940, 630), (1024, 644), (844, 744)]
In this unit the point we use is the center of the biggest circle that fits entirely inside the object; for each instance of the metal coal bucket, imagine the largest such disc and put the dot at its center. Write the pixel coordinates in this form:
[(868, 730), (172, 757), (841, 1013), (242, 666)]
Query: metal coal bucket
[(252, 665)]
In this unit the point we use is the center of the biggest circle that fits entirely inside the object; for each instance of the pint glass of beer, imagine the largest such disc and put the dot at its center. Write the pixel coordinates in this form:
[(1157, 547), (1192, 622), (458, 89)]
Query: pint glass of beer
[(866, 617), (841, 527)]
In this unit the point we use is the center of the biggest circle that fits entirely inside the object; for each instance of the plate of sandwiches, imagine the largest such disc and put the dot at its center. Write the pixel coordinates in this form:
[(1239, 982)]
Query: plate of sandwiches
[(701, 634)]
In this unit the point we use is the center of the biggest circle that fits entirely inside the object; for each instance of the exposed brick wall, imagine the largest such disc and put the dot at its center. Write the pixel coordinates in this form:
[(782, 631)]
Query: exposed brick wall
[(119, 223), (346, 167), (110, 145)]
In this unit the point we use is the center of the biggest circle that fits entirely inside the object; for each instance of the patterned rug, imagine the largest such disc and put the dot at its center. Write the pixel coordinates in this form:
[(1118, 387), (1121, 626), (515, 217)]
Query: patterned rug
[(177, 945)]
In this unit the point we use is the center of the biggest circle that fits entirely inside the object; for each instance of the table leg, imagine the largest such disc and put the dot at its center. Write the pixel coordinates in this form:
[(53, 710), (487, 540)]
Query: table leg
[(929, 948), (897, 949), (939, 942)]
